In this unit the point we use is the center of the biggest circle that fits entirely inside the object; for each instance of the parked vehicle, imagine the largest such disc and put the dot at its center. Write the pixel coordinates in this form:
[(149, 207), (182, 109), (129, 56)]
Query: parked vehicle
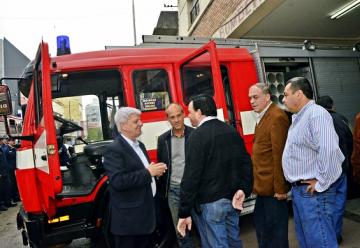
[(77, 95), (14, 124), (73, 98)]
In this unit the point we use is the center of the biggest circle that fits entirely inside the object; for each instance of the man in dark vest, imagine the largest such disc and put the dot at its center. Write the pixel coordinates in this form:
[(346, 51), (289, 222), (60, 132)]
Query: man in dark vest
[(171, 151)]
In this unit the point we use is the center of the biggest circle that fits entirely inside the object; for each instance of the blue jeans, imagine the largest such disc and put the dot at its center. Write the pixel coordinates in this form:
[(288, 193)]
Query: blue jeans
[(271, 217), (218, 225), (340, 189), (173, 201), (313, 217)]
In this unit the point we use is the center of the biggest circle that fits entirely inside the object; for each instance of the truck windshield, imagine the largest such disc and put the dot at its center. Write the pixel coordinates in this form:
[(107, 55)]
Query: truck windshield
[(83, 111), (78, 119)]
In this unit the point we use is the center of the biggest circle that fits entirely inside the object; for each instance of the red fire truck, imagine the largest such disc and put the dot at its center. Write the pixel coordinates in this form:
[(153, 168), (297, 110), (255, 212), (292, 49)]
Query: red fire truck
[(14, 123), (76, 95)]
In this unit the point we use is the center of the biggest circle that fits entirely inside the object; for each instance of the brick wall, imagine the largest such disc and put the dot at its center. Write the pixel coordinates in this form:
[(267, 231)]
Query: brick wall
[(215, 15)]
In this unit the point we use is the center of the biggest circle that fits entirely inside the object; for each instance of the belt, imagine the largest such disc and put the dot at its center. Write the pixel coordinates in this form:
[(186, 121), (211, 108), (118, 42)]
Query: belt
[(298, 183)]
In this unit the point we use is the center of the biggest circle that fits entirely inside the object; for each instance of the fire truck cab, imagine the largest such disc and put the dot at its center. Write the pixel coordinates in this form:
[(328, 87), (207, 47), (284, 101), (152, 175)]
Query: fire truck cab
[(71, 101)]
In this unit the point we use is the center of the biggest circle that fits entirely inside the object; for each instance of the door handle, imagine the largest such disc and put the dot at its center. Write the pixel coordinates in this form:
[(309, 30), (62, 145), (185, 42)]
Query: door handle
[(43, 157)]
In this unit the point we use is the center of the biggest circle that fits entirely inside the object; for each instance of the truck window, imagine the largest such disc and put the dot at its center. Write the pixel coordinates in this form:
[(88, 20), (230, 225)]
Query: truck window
[(90, 94), (112, 104), (196, 80), (151, 89), (84, 111), (38, 97)]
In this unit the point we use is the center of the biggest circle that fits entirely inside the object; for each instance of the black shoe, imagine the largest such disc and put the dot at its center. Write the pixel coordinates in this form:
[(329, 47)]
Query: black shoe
[(3, 208), (10, 205), (339, 239)]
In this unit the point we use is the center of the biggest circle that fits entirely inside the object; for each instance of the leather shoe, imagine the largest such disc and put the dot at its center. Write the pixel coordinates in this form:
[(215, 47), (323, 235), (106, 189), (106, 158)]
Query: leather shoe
[(3, 208), (10, 205), (339, 239)]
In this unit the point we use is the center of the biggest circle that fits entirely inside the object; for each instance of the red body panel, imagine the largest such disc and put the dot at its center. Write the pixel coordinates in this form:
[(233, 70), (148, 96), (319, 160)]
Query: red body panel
[(38, 189)]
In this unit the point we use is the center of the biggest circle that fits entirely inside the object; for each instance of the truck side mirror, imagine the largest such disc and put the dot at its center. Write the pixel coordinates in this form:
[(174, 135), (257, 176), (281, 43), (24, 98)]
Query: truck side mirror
[(5, 100)]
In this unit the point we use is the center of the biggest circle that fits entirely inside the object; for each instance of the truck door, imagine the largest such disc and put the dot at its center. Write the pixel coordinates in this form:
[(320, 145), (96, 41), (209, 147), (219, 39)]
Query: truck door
[(46, 157), (199, 73)]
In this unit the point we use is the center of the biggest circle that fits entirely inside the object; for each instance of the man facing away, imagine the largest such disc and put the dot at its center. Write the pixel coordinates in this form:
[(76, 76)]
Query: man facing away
[(171, 151), (271, 209), (312, 163), (217, 166), (355, 157), (131, 183), (346, 145)]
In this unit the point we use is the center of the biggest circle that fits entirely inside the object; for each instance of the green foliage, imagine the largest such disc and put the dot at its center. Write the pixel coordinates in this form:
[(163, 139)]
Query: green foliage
[(94, 134)]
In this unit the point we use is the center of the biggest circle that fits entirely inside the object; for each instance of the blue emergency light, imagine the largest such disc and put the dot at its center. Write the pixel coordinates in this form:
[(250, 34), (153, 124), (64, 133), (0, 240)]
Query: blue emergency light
[(63, 45)]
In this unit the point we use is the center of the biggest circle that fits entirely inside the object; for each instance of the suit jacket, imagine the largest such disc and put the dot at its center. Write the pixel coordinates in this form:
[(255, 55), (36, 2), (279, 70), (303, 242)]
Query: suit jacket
[(269, 141), (10, 157), (164, 155), (132, 207)]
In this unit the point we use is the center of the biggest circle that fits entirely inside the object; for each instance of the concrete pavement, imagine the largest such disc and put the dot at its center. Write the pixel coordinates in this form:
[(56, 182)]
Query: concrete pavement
[(10, 237)]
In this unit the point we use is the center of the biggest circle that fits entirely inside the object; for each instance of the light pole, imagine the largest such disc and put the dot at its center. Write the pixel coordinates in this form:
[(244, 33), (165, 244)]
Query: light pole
[(133, 10)]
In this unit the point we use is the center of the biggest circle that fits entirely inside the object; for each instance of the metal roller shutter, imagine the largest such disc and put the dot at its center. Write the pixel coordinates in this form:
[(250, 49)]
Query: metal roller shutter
[(340, 79)]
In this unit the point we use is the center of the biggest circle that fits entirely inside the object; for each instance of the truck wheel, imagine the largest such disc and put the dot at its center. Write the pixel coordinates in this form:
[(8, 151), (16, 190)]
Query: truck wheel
[(105, 230), (164, 235), (104, 238)]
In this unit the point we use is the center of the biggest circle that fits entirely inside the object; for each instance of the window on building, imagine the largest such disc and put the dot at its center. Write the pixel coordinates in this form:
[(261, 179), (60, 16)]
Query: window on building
[(151, 89), (194, 10)]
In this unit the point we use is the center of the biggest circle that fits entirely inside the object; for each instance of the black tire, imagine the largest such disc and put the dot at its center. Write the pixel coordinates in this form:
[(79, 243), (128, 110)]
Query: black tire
[(104, 239), (164, 235)]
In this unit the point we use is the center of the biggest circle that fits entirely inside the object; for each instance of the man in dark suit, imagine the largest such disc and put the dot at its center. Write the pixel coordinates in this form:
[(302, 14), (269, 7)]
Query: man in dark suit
[(217, 166), (346, 145), (171, 151), (131, 183), (271, 209), (10, 157)]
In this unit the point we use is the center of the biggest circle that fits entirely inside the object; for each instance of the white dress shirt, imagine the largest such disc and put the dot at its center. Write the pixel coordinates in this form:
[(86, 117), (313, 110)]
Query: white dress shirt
[(135, 145)]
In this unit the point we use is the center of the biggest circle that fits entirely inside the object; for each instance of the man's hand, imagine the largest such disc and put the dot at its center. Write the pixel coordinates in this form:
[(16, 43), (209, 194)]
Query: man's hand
[(157, 169), (280, 196), (238, 200), (183, 224), (311, 187)]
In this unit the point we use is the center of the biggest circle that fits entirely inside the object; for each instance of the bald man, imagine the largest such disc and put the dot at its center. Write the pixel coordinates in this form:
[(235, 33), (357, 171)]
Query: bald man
[(171, 151)]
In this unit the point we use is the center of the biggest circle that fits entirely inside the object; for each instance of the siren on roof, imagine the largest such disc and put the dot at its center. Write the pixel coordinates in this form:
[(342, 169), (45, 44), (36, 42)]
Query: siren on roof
[(63, 45)]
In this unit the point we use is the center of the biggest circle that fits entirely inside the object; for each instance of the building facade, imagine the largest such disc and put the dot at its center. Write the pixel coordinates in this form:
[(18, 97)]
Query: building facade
[(12, 64), (280, 20)]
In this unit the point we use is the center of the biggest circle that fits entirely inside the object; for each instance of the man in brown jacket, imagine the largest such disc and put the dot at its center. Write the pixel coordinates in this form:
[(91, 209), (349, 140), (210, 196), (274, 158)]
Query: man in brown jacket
[(271, 210)]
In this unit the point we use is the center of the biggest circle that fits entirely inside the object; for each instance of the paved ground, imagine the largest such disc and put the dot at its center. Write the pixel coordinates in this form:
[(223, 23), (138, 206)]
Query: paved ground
[(10, 237)]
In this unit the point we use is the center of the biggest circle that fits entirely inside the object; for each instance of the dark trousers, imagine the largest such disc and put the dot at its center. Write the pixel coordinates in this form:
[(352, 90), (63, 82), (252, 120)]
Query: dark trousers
[(133, 241), (271, 222), (13, 186), (5, 189)]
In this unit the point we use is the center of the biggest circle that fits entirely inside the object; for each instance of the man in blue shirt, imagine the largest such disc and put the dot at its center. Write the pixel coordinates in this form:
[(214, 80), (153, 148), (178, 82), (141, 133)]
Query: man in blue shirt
[(312, 163)]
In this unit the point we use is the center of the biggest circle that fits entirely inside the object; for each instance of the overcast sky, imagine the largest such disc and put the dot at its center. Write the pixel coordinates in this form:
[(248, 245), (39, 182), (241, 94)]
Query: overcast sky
[(90, 24)]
